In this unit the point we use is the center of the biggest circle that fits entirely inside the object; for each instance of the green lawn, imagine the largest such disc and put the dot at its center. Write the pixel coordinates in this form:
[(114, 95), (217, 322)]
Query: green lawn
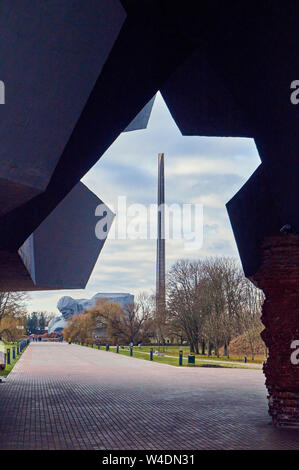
[(174, 361), (8, 368), (200, 361), (174, 351)]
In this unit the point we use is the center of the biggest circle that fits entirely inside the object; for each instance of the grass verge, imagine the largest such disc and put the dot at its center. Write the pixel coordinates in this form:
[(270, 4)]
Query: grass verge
[(174, 350), (8, 368), (143, 353)]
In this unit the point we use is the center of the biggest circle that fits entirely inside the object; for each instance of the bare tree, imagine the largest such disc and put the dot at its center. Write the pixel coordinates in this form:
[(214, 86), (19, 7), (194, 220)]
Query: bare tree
[(250, 317), (107, 316), (118, 325), (224, 285), (12, 313), (138, 319), (175, 330), (207, 300), (184, 300)]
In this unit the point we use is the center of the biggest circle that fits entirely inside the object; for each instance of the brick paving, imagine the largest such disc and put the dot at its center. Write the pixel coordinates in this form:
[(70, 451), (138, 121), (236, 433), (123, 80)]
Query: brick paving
[(62, 396)]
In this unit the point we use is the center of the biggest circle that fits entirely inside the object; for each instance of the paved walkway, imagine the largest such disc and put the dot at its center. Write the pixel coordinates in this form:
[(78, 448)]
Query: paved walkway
[(62, 396)]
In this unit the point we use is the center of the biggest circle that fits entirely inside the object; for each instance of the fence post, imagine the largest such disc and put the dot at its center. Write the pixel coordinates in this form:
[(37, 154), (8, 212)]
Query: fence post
[(8, 356), (151, 354), (180, 358)]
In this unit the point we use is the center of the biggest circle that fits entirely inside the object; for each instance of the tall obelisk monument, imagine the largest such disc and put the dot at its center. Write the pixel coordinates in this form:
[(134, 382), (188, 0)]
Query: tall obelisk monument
[(160, 273)]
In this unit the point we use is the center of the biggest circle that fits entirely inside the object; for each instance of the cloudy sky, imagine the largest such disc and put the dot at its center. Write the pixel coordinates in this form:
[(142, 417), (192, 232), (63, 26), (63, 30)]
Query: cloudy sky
[(198, 170)]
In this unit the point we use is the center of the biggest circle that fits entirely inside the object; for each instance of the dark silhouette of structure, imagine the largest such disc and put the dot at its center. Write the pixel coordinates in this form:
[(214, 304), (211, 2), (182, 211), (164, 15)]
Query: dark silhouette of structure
[(76, 75)]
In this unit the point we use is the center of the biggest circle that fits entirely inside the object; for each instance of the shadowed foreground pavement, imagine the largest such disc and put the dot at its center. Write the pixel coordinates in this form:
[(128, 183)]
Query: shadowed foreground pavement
[(62, 396)]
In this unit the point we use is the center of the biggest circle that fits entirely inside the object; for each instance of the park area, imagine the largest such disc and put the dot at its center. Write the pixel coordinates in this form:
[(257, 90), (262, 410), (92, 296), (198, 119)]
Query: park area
[(171, 355), (65, 396)]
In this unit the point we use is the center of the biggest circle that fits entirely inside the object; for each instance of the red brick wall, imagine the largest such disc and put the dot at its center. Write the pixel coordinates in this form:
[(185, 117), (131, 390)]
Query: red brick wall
[(278, 276)]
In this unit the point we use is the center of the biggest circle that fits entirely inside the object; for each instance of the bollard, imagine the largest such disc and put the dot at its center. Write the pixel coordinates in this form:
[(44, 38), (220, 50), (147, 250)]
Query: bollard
[(180, 357), (8, 356), (99, 346), (13, 353), (245, 359), (151, 354), (131, 351), (18, 349), (117, 348), (107, 347)]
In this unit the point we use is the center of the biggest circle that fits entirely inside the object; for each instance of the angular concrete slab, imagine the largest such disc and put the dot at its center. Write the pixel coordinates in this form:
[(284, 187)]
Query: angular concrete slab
[(200, 103), (142, 118), (253, 215), (63, 250), (51, 56)]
